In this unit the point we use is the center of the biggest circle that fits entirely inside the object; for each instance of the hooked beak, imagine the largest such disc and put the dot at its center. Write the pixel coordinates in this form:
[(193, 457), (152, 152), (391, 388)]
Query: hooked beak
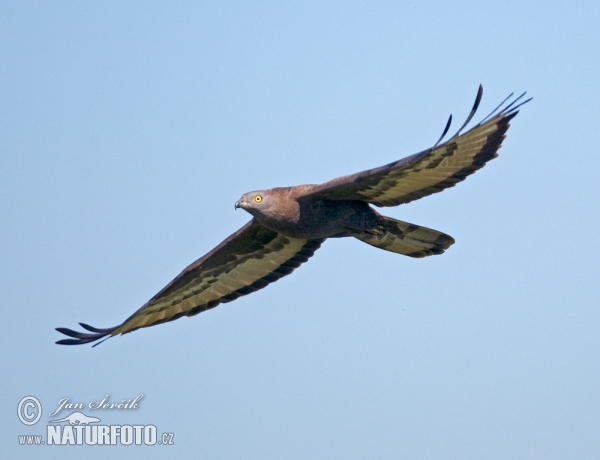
[(237, 205)]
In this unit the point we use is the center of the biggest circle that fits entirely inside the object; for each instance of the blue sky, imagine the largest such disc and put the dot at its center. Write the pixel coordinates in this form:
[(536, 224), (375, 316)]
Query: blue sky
[(127, 133)]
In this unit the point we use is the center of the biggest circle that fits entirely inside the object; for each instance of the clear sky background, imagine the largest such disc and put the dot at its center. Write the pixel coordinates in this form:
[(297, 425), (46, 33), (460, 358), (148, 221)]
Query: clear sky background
[(129, 129)]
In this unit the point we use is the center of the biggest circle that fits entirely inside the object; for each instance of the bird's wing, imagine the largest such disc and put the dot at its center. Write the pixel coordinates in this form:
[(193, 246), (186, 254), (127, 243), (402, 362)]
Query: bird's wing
[(427, 172), (248, 260)]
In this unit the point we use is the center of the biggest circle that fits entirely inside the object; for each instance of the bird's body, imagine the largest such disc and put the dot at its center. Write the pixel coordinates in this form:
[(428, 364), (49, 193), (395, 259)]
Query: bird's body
[(283, 210), (290, 223)]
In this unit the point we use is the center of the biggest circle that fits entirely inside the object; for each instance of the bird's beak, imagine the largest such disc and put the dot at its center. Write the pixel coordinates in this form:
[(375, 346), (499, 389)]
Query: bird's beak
[(237, 205)]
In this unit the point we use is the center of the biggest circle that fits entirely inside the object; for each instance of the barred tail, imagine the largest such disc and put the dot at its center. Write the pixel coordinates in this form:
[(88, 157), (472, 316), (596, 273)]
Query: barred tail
[(404, 238)]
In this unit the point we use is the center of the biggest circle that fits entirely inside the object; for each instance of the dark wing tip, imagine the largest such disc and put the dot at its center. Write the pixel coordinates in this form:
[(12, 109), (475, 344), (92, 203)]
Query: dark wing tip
[(448, 123), (473, 110), (477, 98), (471, 114), (510, 110), (87, 327), (81, 338)]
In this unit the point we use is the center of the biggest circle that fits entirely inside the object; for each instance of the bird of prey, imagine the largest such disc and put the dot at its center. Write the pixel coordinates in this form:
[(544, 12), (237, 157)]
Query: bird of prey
[(290, 223)]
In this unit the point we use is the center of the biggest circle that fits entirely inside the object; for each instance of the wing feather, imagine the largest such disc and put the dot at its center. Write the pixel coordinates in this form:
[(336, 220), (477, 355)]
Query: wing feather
[(248, 260), (424, 173)]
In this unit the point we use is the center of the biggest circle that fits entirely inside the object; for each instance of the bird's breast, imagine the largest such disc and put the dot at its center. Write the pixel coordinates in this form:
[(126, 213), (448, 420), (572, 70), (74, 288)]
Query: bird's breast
[(320, 218)]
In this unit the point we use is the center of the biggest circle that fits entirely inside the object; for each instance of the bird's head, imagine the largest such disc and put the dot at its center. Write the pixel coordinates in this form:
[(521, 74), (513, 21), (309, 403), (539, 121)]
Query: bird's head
[(256, 202)]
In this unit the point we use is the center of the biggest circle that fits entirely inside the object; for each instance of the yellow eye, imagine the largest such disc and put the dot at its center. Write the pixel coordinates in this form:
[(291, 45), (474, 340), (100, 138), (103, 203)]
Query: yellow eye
[(258, 198)]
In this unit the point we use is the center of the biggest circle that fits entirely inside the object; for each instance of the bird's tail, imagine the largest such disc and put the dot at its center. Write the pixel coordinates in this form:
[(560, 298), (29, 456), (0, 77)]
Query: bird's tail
[(404, 238)]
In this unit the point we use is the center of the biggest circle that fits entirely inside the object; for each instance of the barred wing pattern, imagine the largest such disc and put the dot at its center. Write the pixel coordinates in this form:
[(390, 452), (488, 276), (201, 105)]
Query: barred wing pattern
[(427, 172), (247, 261)]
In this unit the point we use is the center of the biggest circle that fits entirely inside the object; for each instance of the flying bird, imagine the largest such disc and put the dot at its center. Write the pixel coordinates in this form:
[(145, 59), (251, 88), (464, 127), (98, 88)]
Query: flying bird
[(290, 223)]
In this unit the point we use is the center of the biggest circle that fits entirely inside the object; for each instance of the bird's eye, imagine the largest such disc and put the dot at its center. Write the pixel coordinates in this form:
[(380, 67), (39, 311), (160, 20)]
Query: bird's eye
[(258, 198)]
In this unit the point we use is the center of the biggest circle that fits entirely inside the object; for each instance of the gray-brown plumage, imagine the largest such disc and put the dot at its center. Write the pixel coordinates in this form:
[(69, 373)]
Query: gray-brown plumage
[(290, 223)]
